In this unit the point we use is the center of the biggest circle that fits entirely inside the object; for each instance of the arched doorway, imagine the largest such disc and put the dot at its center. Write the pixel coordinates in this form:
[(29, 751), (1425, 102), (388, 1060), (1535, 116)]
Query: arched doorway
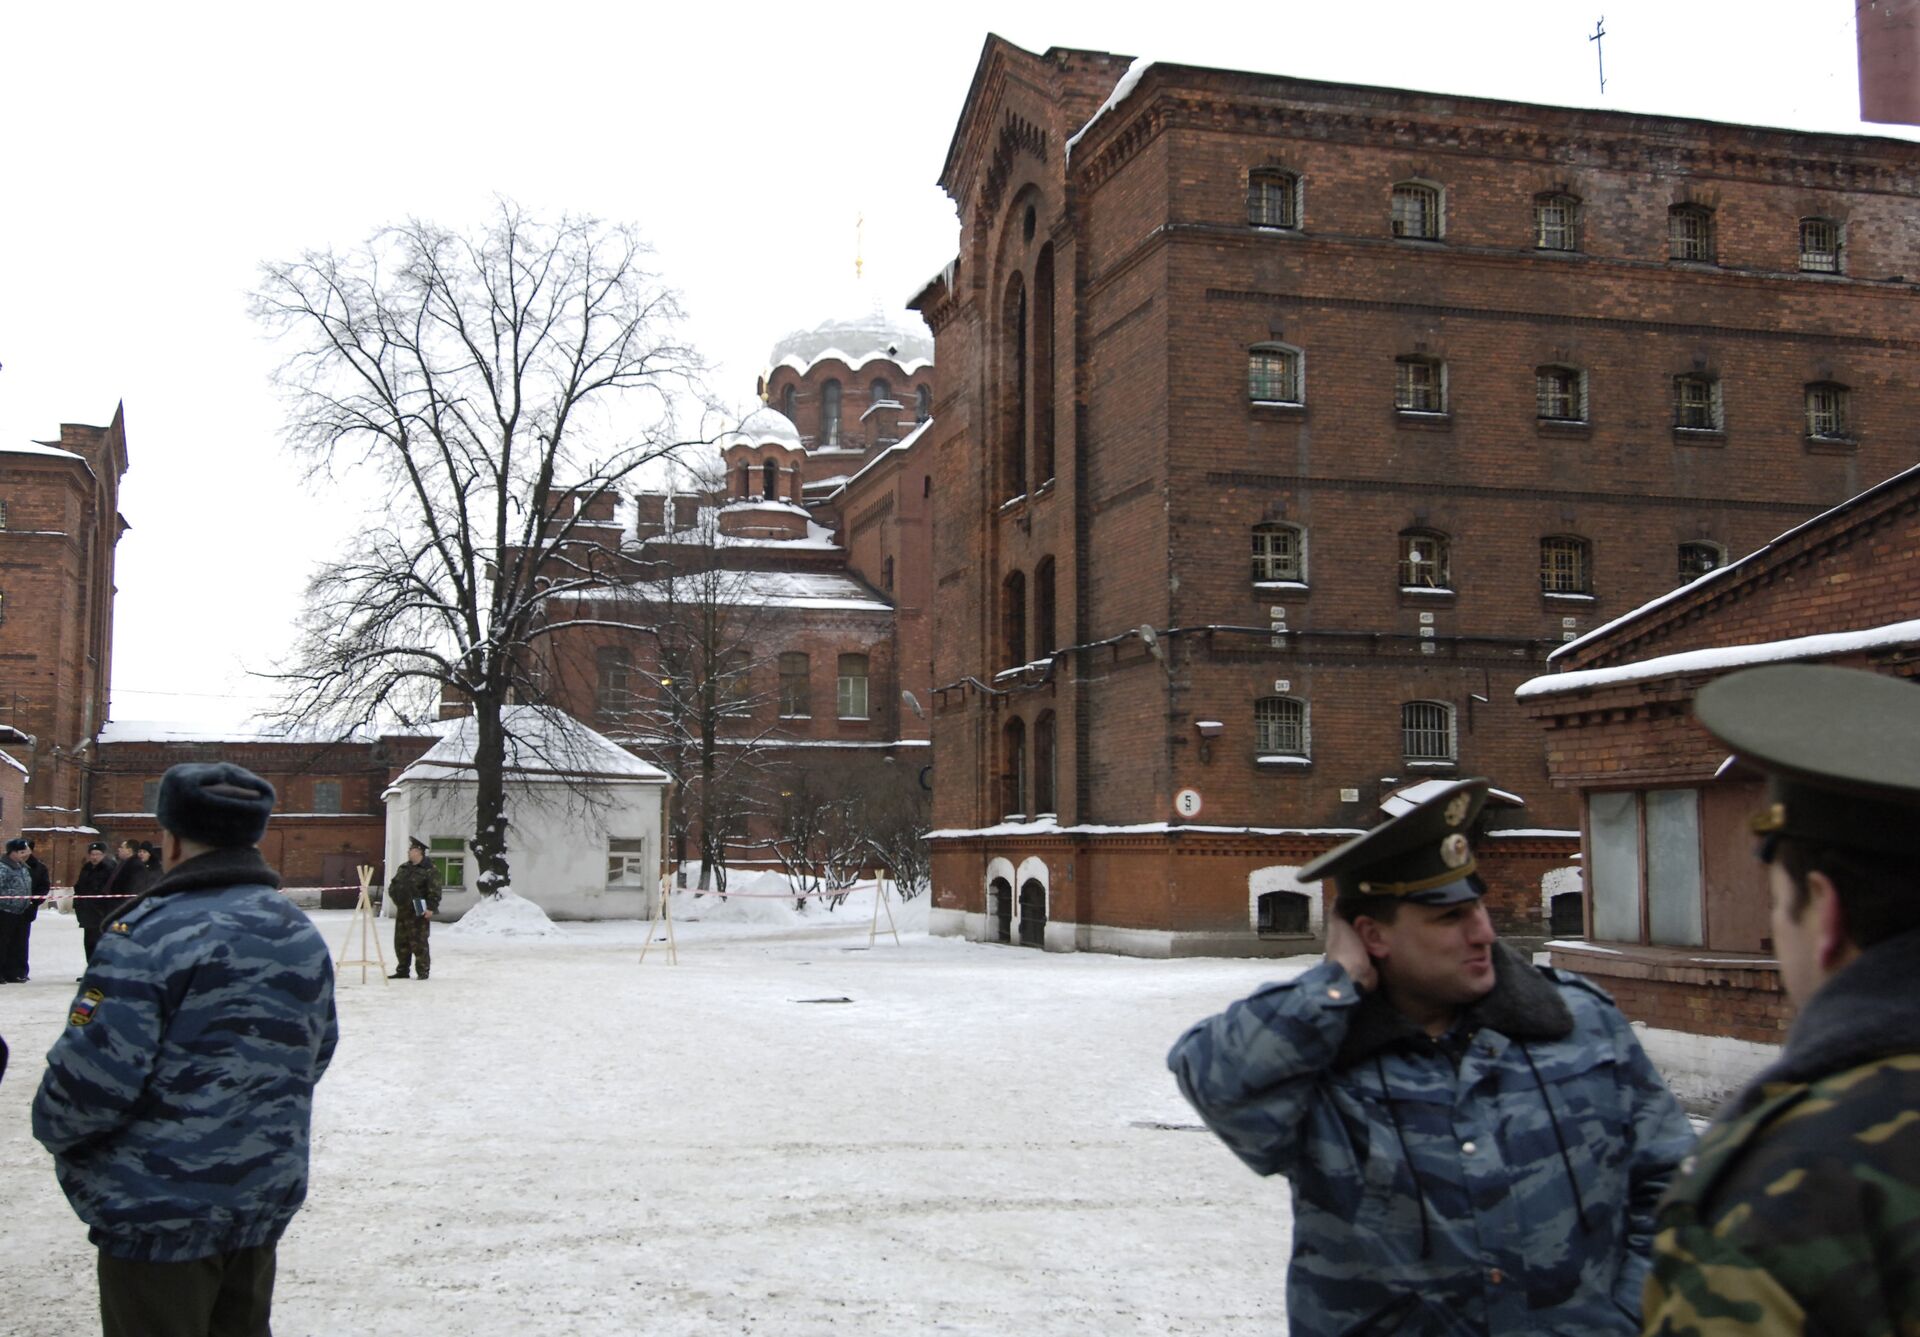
[(1033, 913), (1000, 909)]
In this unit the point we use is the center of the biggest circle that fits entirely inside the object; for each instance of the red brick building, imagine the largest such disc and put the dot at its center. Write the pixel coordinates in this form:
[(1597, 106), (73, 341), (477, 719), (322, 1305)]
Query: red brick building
[(1677, 927), (1286, 427)]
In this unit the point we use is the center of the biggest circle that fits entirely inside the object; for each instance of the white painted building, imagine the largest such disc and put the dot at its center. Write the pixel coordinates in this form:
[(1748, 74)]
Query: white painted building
[(583, 817)]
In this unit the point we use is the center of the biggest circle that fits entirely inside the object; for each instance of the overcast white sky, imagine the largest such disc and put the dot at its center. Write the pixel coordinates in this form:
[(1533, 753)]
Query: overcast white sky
[(155, 155)]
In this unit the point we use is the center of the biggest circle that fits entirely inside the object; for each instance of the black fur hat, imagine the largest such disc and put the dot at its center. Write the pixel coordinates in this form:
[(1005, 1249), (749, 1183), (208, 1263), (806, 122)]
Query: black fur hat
[(214, 803)]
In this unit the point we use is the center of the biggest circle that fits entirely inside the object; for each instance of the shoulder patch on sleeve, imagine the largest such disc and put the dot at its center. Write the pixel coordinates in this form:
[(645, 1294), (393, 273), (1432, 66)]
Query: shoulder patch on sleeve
[(84, 1007)]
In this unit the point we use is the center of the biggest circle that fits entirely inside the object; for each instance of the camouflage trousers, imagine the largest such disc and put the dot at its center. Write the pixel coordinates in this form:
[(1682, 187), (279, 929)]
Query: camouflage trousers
[(410, 943)]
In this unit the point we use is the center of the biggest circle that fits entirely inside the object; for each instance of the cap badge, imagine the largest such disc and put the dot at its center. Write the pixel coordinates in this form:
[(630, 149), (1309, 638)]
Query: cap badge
[(1453, 850), (1456, 812), (1768, 819)]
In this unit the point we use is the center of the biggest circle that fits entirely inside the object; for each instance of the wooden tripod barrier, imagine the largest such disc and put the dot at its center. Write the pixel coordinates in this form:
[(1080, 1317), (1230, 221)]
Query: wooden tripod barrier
[(664, 910), (880, 899), (363, 918)]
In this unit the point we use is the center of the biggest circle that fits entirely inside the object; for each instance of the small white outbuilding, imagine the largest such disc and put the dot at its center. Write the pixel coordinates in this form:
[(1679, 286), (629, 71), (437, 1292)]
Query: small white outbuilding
[(583, 817)]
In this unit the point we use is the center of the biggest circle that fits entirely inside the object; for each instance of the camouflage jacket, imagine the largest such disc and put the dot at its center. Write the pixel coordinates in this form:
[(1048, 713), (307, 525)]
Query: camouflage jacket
[(16, 888), (1801, 1210), (411, 882), (1499, 1180), (177, 1101)]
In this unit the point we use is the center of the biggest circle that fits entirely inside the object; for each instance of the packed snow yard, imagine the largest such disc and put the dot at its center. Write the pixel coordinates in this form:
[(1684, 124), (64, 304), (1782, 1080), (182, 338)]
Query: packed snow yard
[(786, 1132)]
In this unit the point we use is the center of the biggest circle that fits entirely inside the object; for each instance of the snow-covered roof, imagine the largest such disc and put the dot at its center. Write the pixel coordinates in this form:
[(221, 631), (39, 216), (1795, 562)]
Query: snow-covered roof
[(904, 443), (188, 731), (1409, 797), (9, 760), (1721, 658), (778, 589), (1128, 82), (542, 743), (857, 340), (699, 535), (761, 427), (42, 448)]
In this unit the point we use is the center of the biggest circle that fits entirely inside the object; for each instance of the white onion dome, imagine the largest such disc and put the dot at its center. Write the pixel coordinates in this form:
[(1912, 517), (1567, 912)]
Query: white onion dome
[(857, 340), (763, 427)]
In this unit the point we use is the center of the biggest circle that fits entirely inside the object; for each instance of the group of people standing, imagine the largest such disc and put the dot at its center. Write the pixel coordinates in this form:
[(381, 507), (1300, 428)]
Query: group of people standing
[(104, 882)]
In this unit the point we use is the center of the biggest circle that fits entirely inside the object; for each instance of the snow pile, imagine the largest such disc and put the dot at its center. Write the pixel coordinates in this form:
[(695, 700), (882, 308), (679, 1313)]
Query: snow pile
[(507, 915)]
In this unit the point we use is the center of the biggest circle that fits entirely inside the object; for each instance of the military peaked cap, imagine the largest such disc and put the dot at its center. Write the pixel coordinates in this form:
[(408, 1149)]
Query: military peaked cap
[(1420, 856), (1840, 748)]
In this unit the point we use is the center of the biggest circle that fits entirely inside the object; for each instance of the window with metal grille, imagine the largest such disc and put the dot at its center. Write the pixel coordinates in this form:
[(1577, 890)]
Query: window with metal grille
[(1273, 374), (853, 687), (830, 413), (1690, 233), (1555, 223), (1827, 411), (1419, 385), (326, 796), (1273, 199), (1424, 560), (1560, 394), (1696, 403), (1279, 553), (1696, 559), (627, 863), (1819, 246), (796, 693), (3, 515), (1565, 564), (448, 855), (1426, 731), (1416, 211), (1280, 727)]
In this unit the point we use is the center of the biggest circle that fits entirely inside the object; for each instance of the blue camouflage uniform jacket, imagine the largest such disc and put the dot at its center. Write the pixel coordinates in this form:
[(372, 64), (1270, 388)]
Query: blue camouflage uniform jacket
[(178, 1100), (1499, 1180)]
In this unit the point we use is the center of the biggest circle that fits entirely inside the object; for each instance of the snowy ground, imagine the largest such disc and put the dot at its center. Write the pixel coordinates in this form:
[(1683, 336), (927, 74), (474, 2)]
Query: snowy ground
[(549, 1138)]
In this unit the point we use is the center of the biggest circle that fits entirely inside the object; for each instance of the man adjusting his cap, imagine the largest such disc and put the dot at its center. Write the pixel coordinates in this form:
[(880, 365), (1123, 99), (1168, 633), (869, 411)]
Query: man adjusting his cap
[(1475, 1144)]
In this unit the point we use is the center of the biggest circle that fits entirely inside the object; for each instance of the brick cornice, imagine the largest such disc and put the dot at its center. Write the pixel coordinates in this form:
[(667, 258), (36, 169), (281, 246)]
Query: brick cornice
[(1425, 487)]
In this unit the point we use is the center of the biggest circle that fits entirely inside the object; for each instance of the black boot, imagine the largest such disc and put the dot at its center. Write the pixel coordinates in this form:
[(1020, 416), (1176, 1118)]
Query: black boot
[(399, 974)]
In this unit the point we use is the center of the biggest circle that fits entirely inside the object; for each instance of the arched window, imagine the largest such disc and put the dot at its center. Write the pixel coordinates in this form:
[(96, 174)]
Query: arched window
[(613, 683), (830, 414), (1696, 403), (1013, 614), (1013, 768), (1043, 791), (1566, 565), (1556, 222), (745, 487), (1273, 198), (853, 687), (1279, 727), (1419, 385), (1560, 393), (1819, 246), (1274, 374), (789, 401), (878, 391), (770, 480), (1417, 211), (1699, 557), (922, 403), (796, 691), (1690, 233), (886, 575), (1827, 412), (1279, 553), (1045, 638), (1426, 731), (1425, 560), (1041, 374), (1013, 387)]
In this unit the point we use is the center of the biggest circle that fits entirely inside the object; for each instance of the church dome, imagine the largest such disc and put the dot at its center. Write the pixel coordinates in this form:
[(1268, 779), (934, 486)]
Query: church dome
[(857, 340), (763, 426)]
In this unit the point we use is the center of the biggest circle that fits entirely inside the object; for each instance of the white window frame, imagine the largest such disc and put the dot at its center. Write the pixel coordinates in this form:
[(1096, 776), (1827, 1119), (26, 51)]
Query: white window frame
[(1281, 727), (1556, 222), (446, 854), (1270, 563), (806, 685), (1828, 412), (851, 690), (1690, 234), (629, 862), (1572, 576), (1417, 564), (1820, 246), (1413, 395)]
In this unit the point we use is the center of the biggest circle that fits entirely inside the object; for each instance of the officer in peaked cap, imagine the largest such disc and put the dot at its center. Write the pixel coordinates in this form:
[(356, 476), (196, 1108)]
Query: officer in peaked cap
[(1801, 1210), (1441, 1108)]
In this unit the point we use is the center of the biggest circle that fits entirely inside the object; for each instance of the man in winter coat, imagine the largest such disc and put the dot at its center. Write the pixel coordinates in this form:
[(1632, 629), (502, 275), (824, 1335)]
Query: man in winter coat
[(1801, 1210), (90, 896), (415, 893), (1475, 1144), (16, 912), (178, 1101)]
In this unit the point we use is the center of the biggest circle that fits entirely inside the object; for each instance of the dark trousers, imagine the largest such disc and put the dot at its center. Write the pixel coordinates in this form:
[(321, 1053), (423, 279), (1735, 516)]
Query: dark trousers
[(89, 938), (227, 1295), (14, 930), (410, 941)]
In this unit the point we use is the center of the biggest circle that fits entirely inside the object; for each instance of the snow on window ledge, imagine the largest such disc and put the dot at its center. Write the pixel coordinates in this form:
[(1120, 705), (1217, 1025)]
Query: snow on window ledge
[(1433, 765), (1437, 591), (1290, 585), (1570, 595), (1283, 759)]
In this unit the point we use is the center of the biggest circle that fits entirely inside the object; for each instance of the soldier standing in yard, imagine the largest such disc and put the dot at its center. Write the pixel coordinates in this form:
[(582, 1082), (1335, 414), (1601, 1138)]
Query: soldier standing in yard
[(1475, 1144), (1801, 1210), (16, 912), (91, 900), (415, 893)]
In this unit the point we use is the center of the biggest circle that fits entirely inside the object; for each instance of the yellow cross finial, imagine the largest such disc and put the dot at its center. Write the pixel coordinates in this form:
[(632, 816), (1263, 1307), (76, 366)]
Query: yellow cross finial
[(859, 244)]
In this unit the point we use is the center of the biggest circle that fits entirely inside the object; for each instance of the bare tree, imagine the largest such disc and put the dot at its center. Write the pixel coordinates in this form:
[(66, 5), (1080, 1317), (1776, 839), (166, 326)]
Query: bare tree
[(497, 383)]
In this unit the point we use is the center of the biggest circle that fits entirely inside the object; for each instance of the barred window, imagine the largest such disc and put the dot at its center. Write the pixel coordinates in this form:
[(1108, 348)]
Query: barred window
[(1560, 393), (1827, 411), (1426, 731), (326, 796), (1279, 553), (1698, 558), (853, 687), (1696, 403), (796, 691), (1566, 565), (1273, 199), (1416, 211), (1280, 727), (1419, 385), (1819, 246), (3, 515), (1555, 223), (1273, 374), (1424, 560), (1690, 233)]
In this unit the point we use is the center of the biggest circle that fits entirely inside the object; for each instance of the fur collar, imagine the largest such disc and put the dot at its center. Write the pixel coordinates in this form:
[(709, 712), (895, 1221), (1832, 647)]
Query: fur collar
[(241, 865), (1524, 1005)]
